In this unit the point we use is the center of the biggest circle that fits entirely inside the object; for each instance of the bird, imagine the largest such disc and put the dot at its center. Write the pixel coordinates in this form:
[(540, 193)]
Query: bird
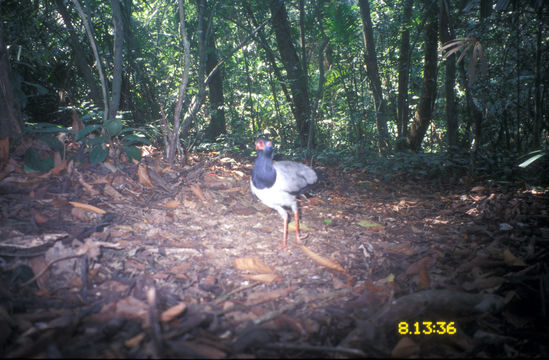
[(277, 183)]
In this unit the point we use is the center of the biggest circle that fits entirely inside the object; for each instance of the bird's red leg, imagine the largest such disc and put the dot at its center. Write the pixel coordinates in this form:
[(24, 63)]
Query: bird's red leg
[(285, 236), (297, 236)]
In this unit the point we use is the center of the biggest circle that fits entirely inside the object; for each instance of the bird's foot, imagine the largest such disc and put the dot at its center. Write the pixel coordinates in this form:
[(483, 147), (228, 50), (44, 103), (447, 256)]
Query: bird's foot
[(300, 237)]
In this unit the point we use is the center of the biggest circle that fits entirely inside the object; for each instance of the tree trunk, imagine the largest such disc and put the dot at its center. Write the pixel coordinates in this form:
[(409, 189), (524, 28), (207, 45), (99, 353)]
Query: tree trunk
[(79, 55), (217, 124), (148, 108), (424, 112), (296, 76), (10, 112), (447, 34), (404, 76), (198, 99), (117, 61), (173, 137), (373, 75), (538, 108), (102, 78), (271, 58)]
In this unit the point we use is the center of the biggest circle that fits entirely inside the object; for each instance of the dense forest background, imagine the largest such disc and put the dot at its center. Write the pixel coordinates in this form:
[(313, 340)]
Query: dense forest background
[(434, 87)]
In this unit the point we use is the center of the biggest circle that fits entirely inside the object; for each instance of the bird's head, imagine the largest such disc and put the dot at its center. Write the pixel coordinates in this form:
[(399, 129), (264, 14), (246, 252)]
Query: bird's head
[(263, 144)]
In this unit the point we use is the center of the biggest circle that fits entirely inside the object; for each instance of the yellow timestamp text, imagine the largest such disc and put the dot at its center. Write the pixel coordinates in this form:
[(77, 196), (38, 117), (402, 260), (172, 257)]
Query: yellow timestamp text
[(427, 328)]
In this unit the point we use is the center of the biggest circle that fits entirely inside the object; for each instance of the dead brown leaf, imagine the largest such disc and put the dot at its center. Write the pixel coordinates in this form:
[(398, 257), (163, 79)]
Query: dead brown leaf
[(87, 207), (266, 278), (512, 260), (401, 249), (112, 192), (39, 217), (173, 312), (172, 204), (252, 264), (134, 341), (81, 214), (195, 188), (87, 186), (132, 308), (59, 164), (405, 348), (423, 264), (262, 297), (321, 260), (180, 271), (143, 176)]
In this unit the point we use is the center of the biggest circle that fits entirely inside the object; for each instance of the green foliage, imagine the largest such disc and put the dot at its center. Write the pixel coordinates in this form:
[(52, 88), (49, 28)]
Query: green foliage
[(47, 133), (46, 79), (34, 162), (534, 155), (100, 137), (341, 21)]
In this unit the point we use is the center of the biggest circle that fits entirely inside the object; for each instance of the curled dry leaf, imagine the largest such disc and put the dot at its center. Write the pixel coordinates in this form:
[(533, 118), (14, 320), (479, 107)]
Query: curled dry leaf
[(195, 188), (172, 204), (134, 341), (323, 261), (112, 192), (261, 297), (266, 278), (143, 176), (89, 188), (512, 260), (40, 218), (406, 347), (423, 264), (87, 207), (173, 312), (252, 264), (132, 308)]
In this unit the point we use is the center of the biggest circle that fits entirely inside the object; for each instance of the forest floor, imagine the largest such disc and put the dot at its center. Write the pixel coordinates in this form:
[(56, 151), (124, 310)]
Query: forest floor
[(185, 262)]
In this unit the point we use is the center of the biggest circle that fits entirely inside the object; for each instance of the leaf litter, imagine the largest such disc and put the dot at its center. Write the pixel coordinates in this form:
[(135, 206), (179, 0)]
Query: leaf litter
[(159, 261)]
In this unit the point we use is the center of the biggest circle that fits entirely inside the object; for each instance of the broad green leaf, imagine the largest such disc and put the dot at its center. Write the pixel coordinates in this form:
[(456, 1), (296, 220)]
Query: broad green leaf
[(133, 152), (530, 160), (52, 142), (98, 140), (42, 128), (85, 132), (135, 139), (33, 162), (113, 126), (98, 155)]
